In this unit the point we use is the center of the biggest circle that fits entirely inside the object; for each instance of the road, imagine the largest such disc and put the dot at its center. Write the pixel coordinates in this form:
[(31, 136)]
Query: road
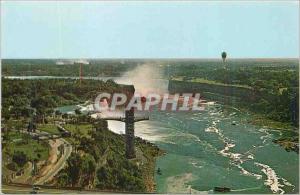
[(58, 165), (54, 165), (8, 189), (26, 189)]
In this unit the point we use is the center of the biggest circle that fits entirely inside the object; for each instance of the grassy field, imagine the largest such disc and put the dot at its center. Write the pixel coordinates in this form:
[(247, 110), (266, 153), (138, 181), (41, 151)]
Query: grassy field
[(81, 129), (21, 142), (49, 128), (13, 142)]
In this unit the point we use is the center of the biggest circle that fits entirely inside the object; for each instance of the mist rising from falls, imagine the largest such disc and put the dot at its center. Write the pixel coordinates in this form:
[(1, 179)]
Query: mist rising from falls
[(146, 79)]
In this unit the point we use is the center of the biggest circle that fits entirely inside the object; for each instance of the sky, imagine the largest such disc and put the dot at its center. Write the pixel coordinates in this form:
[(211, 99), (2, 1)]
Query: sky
[(140, 29)]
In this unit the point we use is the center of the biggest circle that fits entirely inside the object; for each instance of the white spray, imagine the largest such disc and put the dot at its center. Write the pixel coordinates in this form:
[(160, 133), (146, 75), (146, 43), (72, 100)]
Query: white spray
[(146, 78)]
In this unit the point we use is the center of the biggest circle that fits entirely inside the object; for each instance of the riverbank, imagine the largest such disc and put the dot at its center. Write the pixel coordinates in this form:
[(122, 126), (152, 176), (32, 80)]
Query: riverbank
[(146, 153), (221, 145), (98, 161), (289, 134), (248, 100)]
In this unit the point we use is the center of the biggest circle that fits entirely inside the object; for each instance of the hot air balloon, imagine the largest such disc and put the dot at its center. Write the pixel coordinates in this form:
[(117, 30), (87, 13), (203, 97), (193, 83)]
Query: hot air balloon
[(224, 54)]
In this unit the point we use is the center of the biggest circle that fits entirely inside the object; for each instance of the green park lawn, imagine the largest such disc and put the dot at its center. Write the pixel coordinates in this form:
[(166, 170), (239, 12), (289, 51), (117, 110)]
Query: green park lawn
[(15, 141), (81, 129), (49, 128)]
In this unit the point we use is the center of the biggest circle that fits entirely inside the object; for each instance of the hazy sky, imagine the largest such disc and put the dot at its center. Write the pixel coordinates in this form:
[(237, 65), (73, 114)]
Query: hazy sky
[(149, 29)]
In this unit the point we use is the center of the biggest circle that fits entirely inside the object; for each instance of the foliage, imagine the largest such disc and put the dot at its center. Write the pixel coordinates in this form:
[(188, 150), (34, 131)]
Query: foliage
[(73, 168), (275, 82), (49, 67), (63, 179), (19, 158), (24, 98), (100, 161), (77, 111), (19, 148)]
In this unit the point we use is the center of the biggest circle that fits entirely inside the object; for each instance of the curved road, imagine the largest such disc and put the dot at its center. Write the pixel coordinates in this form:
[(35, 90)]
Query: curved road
[(58, 165), (61, 161)]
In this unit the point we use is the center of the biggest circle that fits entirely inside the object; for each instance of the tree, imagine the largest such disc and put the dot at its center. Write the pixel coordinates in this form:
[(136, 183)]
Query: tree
[(88, 169), (57, 112), (65, 116), (77, 111), (5, 113), (19, 126), (43, 105), (100, 125), (63, 180), (74, 165), (19, 158), (20, 106), (104, 178)]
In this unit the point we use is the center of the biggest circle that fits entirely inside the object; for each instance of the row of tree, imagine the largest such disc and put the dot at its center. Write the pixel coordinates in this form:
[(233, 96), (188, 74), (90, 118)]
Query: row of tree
[(276, 83), (99, 162), (25, 98)]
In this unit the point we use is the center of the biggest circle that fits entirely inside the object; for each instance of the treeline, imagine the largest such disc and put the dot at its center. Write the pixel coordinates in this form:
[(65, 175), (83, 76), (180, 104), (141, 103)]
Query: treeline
[(240, 72), (276, 83), (22, 98), (11, 67), (99, 162), (98, 159)]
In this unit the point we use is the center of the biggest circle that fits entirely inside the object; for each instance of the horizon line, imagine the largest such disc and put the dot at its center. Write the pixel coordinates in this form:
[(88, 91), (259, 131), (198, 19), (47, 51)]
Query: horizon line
[(158, 58)]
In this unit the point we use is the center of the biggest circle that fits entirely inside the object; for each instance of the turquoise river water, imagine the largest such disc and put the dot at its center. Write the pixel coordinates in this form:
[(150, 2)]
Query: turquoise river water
[(217, 147)]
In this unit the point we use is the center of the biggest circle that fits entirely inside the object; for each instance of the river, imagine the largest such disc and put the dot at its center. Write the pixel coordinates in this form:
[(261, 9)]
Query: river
[(217, 147), (206, 150)]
